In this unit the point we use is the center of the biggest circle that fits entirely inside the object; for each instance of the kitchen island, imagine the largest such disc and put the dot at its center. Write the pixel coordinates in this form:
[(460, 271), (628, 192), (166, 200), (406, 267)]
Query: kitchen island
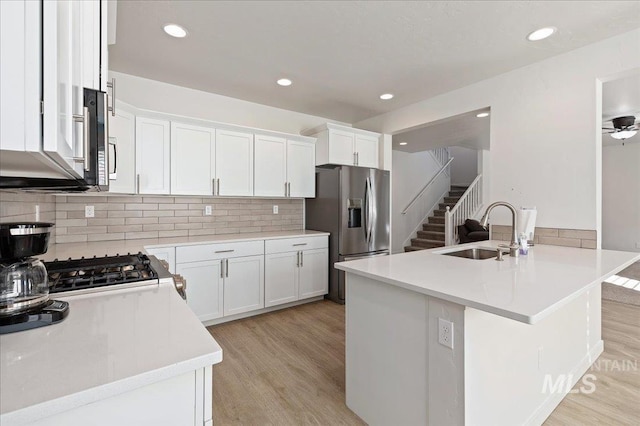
[(130, 356), (437, 339)]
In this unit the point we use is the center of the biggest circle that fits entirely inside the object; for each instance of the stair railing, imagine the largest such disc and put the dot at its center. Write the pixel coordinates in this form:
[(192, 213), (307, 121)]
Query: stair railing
[(424, 188), (442, 156), (466, 207)]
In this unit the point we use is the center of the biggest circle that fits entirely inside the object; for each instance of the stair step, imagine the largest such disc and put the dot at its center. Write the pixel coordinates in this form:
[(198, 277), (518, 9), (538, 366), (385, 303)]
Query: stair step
[(460, 187), (456, 194), (421, 242), (436, 219), (439, 213), (443, 206), (453, 200), (431, 235), (438, 227), (412, 248)]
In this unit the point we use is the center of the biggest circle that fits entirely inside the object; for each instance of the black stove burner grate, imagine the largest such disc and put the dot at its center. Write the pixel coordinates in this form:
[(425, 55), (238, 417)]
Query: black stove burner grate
[(79, 274)]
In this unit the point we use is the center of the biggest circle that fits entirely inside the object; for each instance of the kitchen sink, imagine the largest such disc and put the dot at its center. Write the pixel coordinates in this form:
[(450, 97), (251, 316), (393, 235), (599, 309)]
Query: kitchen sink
[(473, 253)]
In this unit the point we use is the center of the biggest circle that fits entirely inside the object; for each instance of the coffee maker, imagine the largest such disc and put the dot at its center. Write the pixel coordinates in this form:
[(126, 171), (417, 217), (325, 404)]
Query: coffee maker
[(24, 289)]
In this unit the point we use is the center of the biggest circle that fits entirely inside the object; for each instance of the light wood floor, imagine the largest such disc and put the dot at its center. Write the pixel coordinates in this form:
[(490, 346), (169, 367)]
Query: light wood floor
[(287, 368)]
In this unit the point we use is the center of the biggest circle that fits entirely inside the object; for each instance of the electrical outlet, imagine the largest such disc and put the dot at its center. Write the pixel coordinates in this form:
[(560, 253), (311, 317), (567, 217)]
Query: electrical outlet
[(37, 213), (275, 209), (89, 211), (207, 210), (445, 333)]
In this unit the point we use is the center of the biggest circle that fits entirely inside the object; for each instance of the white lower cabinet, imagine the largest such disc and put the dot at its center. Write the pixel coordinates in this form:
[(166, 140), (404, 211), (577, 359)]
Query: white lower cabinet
[(205, 290), (243, 284), (226, 279), (314, 273), (168, 254), (281, 278), (295, 269)]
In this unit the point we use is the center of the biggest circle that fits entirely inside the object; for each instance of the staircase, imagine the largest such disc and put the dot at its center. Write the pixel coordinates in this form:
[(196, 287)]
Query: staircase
[(433, 232)]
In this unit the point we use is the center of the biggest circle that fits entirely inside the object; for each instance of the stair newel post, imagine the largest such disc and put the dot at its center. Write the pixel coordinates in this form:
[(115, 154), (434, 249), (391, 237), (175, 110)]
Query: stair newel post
[(448, 229)]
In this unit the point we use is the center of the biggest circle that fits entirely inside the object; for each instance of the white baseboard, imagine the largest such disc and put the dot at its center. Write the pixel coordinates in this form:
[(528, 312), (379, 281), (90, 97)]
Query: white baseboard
[(260, 311), (553, 400)]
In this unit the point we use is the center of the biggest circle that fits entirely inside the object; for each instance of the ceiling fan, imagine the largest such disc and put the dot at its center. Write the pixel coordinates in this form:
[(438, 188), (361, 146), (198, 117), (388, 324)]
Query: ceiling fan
[(623, 127)]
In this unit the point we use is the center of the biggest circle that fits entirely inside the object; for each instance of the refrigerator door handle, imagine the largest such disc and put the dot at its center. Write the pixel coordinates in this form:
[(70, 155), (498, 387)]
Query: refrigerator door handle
[(370, 209), (367, 211)]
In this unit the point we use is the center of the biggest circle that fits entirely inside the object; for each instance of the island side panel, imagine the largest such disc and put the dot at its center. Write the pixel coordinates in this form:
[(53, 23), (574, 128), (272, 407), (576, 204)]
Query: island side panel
[(386, 352), (507, 362), (396, 371)]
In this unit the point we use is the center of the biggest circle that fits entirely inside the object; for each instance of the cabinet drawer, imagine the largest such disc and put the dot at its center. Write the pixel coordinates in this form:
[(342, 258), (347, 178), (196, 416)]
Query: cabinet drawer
[(295, 244), (219, 251)]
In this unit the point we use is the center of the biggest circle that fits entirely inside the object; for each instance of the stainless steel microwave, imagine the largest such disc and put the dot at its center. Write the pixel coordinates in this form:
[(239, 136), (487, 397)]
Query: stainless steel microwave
[(95, 167)]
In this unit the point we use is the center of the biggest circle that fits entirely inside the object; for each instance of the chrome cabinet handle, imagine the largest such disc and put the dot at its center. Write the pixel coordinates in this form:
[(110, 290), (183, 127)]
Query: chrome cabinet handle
[(285, 189), (138, 183), (225, 251), (301, 259), (300, 244), (213, 186), (222, 268), (355, 160), (288, 189), (226, 267), (218, 186), (84, 119), (298, 259), (112, 85)]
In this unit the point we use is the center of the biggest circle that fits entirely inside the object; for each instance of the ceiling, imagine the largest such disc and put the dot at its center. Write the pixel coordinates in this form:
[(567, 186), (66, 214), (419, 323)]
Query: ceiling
[(341, 55), (619, 98), (464, 130)]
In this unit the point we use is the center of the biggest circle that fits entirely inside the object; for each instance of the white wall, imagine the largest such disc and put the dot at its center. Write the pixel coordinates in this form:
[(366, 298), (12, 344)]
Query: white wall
[(545, 129), (464, 167), (163, 97), (411, 171), (621, 197)]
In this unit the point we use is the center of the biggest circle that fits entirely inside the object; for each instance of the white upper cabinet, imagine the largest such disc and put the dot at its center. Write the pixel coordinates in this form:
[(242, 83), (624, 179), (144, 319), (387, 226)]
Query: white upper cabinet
[(341, 147), (122, 151), (234, 163), (270, 166), (72, 60), (192, 159), (301, 171), (152, 156), (284, 167), (366, 148), (345, 145)]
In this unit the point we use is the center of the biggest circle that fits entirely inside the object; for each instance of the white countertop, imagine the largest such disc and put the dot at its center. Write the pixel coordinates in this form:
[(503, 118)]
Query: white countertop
[(110, 343), (111, 248), (525, 289)]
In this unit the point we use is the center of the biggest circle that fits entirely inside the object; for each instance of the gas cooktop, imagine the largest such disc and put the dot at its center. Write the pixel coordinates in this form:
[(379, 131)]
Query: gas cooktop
[(97, 272)]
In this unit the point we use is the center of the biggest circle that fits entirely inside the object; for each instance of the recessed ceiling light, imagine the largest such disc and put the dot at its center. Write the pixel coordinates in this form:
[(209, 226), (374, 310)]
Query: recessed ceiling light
[(284, 82), (541, 34), (482, 115), (175, 30), (386, 96), (403, 143)]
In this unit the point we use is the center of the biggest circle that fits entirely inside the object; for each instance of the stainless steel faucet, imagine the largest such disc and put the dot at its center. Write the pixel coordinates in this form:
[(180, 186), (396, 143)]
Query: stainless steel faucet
[(513, 246)]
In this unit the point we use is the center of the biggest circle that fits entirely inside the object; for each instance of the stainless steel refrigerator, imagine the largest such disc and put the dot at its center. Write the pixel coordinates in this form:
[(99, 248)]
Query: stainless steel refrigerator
[(352, 203)]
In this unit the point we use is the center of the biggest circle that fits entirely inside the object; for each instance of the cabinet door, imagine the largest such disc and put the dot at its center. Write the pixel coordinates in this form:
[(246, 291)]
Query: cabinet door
[(152, 156), (301, 169), (90, 34), (314, 273), (192, 159), (341, 147), (62, 83), (20, 34), (243, 284), (280, 278), (204, 288), (122, 152), (270, 165), (234, 163), (367, 151)]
